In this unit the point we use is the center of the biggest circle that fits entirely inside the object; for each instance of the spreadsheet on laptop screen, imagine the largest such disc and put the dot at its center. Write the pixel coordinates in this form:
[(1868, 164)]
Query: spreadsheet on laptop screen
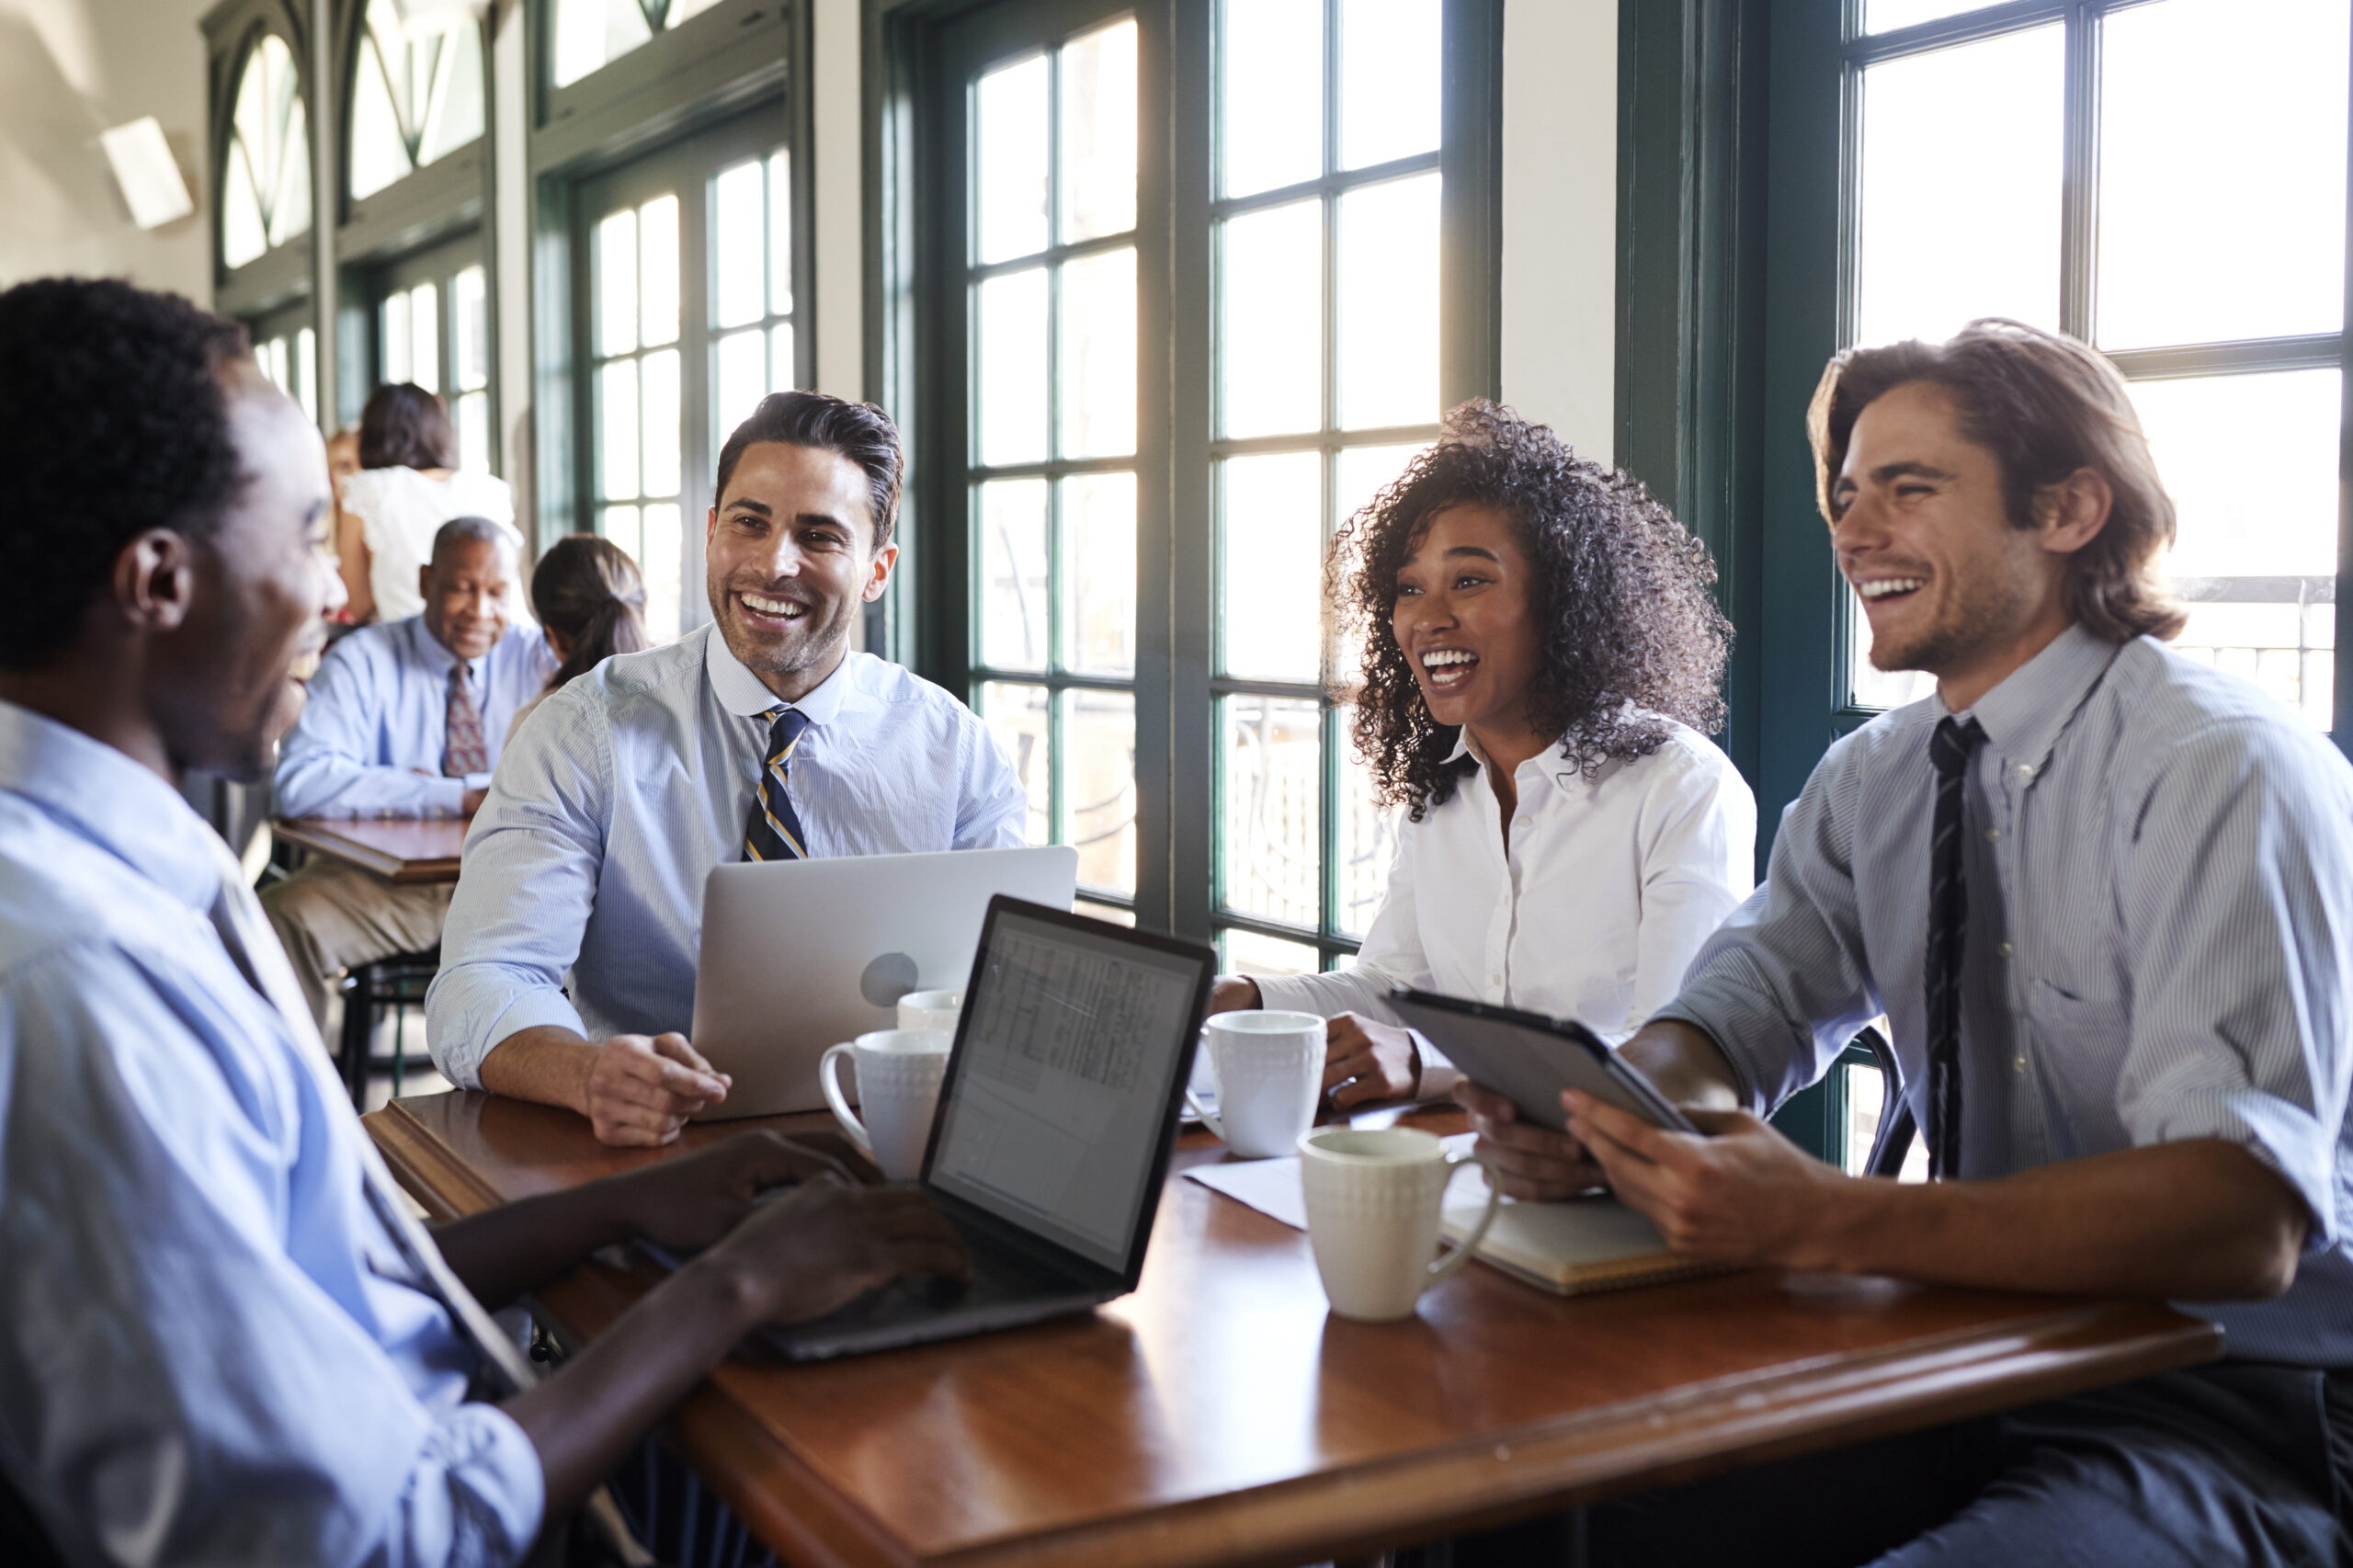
[(1071, 1043)]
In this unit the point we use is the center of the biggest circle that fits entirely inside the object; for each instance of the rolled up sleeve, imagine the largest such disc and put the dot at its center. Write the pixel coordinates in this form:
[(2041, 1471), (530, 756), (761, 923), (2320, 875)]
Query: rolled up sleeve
[(327, 765), (991, 808), (2237, 903)]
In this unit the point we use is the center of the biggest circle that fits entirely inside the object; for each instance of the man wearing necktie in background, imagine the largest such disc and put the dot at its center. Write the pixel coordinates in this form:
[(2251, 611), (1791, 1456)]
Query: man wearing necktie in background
[(223, 1337), (568, 963), (2104, 896), (404, 719)]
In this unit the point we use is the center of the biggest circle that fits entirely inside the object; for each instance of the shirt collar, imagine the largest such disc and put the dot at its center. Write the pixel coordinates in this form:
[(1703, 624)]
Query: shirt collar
[(741, 693), (429, 651), (111, 801), (1563, 777), (2023, 715)]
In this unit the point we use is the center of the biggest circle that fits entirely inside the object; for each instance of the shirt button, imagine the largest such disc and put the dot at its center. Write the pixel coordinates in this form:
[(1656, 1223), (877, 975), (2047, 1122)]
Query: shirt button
[(1993, 835), (2019, 1063), (2004, 949), (2026, 770), (1495, 980)]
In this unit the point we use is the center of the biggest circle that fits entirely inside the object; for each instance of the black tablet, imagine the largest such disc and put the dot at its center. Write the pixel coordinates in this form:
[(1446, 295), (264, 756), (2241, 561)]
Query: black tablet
[(1529, 1058)]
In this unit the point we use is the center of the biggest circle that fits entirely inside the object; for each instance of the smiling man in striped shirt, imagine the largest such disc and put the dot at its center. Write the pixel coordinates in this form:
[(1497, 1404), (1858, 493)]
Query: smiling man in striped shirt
[(2104, 896)]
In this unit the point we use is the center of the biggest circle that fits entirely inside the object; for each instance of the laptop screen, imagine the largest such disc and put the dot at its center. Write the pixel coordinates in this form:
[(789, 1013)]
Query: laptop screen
[(1069, 1050)]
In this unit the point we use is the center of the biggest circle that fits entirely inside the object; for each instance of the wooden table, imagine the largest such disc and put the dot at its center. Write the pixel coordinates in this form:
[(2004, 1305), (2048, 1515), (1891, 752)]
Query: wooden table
[(404, 851), (1218, 1415)]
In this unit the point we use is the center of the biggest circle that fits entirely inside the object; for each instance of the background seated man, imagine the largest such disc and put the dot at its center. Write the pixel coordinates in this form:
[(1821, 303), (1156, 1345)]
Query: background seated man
[(2104, 894), (405, 719), (568, 966), (222, 1339)]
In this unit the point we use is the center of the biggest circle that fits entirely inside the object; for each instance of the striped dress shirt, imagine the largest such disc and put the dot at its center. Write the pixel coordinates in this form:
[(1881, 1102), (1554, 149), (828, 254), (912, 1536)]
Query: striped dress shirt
[(2159, 938)]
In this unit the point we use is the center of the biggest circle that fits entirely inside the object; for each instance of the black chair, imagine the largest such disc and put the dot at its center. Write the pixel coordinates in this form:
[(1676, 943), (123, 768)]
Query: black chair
[(1893, 1139), (398, 982), (23, 1542)]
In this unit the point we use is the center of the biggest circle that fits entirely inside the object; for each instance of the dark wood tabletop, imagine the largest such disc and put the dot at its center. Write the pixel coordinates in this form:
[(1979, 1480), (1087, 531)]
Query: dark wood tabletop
[(403, 850), (1220, 1415)]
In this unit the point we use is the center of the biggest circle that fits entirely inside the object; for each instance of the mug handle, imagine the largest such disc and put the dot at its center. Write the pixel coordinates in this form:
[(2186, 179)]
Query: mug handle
[(1209, 1119), (830, 1081), (1470, 1244)]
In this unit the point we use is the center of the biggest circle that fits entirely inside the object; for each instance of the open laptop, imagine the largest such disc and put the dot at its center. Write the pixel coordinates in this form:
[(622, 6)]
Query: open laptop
[(1054, 1130), (798, 955)]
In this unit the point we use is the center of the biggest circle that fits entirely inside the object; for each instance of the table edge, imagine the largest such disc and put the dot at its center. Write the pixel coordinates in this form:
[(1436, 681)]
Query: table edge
[(312, 835)]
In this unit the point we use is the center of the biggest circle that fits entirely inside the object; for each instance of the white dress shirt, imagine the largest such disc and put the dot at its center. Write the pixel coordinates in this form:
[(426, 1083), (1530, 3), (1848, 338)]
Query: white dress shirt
[(583, 870), (1604, 896), (399, 510)]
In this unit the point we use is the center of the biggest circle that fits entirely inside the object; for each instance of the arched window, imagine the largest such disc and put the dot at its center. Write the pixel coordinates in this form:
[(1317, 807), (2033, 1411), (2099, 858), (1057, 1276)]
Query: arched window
[(415, 98), (588, 34), (266, 184)]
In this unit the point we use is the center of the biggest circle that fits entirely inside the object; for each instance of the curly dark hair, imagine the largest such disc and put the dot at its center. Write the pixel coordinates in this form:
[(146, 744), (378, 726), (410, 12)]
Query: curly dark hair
[(114, 418), (1625, 596)]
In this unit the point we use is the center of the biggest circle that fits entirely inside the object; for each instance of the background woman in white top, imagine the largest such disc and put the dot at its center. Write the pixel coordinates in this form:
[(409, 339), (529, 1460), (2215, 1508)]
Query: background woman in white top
[(1542, 656), (407, 487)]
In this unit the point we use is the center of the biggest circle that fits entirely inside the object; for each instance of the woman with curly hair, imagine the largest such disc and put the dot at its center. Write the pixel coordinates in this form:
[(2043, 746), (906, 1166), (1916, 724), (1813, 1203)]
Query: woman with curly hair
[(1543, 650)]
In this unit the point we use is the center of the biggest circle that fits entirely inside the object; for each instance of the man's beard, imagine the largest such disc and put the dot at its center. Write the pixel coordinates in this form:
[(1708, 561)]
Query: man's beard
[(1984, 612), (816, 642)]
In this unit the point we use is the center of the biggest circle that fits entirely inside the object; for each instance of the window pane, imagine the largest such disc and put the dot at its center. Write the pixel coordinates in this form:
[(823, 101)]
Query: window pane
[(1954, 227), (1389, 51), (781, 237), (1098, 173), (397, 344), (663, 565), (616, 412), (1270, 338), (2256, 553), (470, 310), (1016, 715), (1098, 532), (659, 381), (1110, 912), (681, 9), (1012, 379), (1097, 344), (452, 113), (738, 199), (1271, 787), (742, 379), (1868, 686), (2229, 220), (781, 371), (1009, 155), (1099, 788), (306, 371), (616, 283), (657, 235), (620, 525), (1363, 471), (1271, 565), (243, 233), (590, 33), (425, 336), (1388, 370), (1886, 15), (1247, 952), (1368, 839), (1012, 608), (290, 211), (474, 431), (378, 150), (1270, 94)]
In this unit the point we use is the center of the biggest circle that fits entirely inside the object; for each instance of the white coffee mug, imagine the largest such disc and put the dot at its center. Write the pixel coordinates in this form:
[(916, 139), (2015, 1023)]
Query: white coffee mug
[(1270, 1070), (1373, 1197), (930, 1009), (898, 1085)]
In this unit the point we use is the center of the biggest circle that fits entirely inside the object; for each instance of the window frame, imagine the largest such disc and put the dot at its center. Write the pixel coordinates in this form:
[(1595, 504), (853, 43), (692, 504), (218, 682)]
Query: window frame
[(282, 272), (425, 204)]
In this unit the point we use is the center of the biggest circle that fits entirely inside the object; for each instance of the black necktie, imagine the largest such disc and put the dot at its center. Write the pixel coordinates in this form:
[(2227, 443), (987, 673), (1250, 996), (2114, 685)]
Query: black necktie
[(1950, 749), (773, 832)]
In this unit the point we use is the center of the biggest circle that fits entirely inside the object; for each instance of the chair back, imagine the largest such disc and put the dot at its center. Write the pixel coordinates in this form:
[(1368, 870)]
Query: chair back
[(1894, 1140)]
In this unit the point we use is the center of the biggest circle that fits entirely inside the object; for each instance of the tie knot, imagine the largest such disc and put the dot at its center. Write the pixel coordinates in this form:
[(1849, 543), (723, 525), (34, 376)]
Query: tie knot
[(1953, 744), (785, 725), (457, 673)]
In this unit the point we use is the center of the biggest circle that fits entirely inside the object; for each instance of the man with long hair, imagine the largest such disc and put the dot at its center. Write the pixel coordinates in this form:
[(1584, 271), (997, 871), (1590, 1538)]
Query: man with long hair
[(2104, 896)]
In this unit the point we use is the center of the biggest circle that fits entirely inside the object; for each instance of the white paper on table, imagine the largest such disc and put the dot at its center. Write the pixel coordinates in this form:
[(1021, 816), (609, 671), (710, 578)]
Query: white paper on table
[(1271, 1187)]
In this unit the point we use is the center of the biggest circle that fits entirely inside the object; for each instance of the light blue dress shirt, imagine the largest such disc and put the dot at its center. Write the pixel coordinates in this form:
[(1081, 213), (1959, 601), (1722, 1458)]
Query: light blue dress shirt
[(584, 869), (379, 710), (209, 1348), (2159, 946)]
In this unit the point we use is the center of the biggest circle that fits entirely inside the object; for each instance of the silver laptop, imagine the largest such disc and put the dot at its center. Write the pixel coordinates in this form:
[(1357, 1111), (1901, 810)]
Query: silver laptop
[(798, 955), (1053, 1132)]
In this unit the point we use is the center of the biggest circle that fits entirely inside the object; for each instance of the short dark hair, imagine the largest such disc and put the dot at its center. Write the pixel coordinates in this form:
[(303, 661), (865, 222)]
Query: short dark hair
[(405, 427), (480, 529), (858, 431), (114, 418), (1628, 632), (2045, 405), (587, 588)]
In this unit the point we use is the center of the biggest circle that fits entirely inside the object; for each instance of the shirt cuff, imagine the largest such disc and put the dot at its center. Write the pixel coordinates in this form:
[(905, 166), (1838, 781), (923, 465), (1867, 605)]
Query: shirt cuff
[(2288, 1138), (491, 1484), (1722, 1023), (533, 1008), (446, 796)]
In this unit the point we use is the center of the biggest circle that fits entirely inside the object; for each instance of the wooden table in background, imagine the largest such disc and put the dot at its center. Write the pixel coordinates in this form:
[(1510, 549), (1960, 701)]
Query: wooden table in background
[(403, 850), (1220, 1415)]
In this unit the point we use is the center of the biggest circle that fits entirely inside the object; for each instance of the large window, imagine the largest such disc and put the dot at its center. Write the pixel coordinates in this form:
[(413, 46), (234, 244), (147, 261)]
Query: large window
[(266, 176), (433, 328), (1184, 313), (587, 34), (2166, 180), (415, 97)]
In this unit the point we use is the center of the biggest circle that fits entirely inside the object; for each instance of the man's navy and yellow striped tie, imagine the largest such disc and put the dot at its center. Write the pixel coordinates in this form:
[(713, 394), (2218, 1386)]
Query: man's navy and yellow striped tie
[(774, 831)]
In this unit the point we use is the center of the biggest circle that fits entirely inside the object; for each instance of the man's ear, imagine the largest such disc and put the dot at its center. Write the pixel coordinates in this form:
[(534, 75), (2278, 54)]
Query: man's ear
[(2070, 514), (424, 581), (884, 559), (154, 580)]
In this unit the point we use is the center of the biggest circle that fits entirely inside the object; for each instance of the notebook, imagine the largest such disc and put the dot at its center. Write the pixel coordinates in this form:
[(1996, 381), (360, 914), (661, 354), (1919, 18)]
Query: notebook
[(1571, 1248)]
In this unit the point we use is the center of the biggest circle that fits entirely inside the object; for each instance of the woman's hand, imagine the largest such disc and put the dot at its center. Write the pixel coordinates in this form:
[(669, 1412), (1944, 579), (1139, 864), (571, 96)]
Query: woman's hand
[(1368, 1061)]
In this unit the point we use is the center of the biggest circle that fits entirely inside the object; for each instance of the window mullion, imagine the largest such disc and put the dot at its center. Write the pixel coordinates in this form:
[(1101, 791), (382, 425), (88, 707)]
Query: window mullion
[(2079, 178)]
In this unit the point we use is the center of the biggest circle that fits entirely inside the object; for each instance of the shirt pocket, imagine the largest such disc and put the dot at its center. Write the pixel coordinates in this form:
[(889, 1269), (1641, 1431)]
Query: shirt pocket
[(2079, 1043)]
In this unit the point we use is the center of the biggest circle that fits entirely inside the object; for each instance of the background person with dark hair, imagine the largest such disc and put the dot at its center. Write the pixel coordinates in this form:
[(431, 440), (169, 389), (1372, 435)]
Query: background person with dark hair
[(409, 483), (2104, 896), (223, 1337), (590, 599), (406, 719), (1541, 657), (610, 810)]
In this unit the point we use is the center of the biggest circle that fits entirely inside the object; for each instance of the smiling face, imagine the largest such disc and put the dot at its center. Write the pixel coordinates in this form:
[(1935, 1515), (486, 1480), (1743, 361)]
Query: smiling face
[(467, 589), (231, 675), (1465, 619), (791, 558), (1949, 584)]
